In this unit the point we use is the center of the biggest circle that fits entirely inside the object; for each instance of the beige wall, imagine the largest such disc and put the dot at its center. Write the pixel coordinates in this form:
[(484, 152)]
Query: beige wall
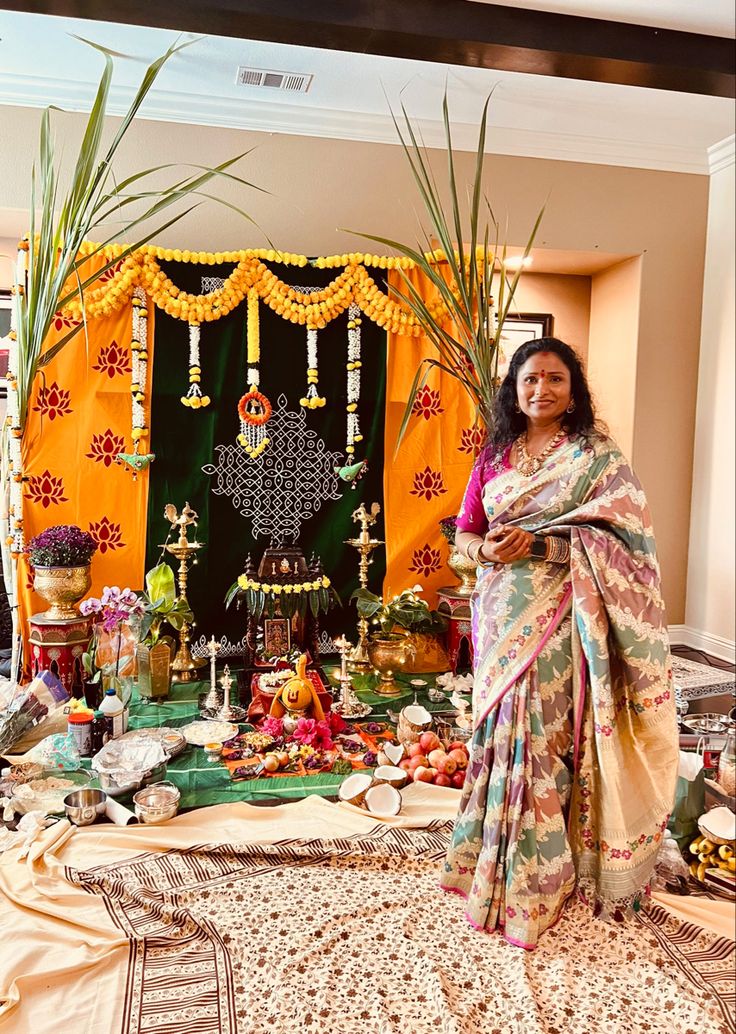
[(613, 346), (8, 253), (318, 186), (710, 577), (566, 297)]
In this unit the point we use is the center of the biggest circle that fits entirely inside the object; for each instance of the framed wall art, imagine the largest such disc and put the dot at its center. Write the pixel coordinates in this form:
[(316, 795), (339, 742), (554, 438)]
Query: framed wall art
[(518, 328)]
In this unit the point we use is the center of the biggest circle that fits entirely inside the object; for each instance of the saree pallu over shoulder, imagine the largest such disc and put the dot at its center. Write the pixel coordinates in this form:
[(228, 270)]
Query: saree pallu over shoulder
[(623, 710)]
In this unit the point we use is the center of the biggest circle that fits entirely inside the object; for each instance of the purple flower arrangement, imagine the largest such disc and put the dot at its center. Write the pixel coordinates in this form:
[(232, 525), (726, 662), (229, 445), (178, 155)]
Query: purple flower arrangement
[(448, 528), (64, 545), (114, 606)]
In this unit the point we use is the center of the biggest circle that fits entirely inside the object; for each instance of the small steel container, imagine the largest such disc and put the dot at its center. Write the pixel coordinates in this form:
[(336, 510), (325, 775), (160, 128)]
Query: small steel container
[(157, 802), (82, 807)]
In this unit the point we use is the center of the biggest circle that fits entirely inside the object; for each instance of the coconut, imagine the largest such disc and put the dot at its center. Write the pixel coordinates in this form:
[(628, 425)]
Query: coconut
[(718, 825), (390, 754), (383, 799), (413, 720), (354, 788), (396, 777)]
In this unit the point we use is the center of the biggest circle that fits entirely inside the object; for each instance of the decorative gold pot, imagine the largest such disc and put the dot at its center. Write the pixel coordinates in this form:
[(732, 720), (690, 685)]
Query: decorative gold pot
[(387, 653), (430, 653), (154, 670), (464, 569), (62, 587)]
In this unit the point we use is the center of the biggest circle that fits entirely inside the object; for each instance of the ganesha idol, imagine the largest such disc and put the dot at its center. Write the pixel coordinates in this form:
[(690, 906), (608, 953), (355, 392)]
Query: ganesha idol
[(297, 698)]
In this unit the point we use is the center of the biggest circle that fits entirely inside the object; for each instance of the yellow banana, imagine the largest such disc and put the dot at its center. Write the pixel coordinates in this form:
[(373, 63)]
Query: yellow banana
[(695, 846), (707, 846), (725, 852)]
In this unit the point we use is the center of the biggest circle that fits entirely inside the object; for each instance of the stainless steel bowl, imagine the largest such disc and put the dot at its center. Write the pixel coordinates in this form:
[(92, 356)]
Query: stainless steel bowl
[(83, 806), (117, 783), (157, 802)]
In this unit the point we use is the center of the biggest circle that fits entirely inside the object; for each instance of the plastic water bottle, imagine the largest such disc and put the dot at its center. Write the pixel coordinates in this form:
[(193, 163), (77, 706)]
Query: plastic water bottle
[(114, 712)]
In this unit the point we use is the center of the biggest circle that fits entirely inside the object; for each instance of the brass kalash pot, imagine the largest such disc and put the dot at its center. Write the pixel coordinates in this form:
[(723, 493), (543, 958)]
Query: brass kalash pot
[(389, 652)]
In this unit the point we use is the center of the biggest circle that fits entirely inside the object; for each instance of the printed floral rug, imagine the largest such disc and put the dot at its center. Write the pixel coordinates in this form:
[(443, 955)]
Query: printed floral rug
[(352, 935)]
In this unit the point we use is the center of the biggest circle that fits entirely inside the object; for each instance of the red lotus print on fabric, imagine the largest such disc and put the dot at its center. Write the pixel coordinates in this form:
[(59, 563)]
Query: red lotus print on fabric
[(64, 322), (46, 489), (53, 401), (471, 440), (427, 403), (105, 447), (428, 483), (112, 360), (106, 534), (425, 561), (110, 273)]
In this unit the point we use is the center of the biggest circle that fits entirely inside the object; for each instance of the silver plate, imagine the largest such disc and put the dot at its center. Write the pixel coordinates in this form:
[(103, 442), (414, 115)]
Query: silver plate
[(172, 740)]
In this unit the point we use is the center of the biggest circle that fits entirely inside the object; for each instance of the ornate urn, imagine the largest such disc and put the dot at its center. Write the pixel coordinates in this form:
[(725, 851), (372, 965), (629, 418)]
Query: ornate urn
[(62, 587), (387, 653)]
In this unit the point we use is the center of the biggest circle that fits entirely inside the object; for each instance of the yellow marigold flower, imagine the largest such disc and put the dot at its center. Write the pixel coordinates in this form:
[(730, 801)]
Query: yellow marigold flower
[(276, 590)]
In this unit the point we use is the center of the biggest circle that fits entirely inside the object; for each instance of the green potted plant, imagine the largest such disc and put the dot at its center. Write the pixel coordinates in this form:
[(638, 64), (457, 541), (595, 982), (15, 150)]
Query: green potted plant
[(409, 636), (161, 606), (61, 557)]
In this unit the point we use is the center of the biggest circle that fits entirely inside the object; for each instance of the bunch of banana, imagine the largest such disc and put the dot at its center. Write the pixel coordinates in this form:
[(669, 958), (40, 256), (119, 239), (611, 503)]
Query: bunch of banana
[(709, 856), (76, 706)]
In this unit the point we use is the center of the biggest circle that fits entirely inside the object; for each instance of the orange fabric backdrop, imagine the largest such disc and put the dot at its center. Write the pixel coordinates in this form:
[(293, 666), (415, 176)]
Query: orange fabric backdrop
[(427, 478), (79, 418)]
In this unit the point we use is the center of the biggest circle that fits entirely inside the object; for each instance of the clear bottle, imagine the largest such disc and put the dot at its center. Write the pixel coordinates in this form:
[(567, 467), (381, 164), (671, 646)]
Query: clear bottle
[(113, 710), (727, 763)]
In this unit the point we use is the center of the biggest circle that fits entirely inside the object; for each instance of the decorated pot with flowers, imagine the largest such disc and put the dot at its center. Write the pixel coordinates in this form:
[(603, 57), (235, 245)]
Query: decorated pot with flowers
[(409, 635), (161, 606), (61, 558)]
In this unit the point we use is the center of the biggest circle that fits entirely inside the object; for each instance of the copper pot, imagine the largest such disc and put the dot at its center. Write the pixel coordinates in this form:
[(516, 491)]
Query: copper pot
[(62, 587)]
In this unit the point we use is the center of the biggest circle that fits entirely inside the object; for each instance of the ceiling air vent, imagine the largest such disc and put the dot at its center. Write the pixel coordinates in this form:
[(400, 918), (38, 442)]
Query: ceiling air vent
[(294, 82)]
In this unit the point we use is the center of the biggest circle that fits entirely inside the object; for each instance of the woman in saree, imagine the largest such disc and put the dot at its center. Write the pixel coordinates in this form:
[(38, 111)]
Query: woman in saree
[(573, 758)]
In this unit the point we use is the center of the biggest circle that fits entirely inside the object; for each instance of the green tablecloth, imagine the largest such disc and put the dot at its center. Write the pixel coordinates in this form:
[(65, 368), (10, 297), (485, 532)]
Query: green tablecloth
[(202, 783)]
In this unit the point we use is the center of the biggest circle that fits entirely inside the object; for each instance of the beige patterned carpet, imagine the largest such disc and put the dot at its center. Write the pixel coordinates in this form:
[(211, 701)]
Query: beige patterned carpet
[(252, 933)]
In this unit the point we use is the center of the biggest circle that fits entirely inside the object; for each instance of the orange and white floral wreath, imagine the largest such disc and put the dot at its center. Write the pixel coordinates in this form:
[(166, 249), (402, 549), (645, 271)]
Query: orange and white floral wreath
[(254, 409)]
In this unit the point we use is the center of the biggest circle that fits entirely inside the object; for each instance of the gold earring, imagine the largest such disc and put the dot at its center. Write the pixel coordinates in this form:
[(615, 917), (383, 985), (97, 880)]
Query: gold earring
[(571, 407)]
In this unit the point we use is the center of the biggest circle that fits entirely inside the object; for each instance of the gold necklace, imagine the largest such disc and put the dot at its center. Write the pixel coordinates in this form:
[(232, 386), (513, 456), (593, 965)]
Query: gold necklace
[(527, 464)]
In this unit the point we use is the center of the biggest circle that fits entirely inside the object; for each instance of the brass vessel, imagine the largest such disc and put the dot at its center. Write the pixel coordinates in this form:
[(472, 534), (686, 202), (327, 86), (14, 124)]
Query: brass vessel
[(62, 587), (387, 653), (464, 569), (154, 670)]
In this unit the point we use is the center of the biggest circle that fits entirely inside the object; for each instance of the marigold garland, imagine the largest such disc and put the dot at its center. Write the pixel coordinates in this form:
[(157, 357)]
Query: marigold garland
[(246, 583), (314, 310)]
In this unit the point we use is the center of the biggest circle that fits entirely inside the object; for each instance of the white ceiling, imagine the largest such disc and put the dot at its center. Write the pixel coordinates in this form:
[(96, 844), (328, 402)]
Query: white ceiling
[(352, 94), (709, 17)]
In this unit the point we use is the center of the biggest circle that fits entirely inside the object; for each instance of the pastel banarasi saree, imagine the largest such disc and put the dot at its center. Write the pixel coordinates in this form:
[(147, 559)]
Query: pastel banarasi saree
[(574, 751)]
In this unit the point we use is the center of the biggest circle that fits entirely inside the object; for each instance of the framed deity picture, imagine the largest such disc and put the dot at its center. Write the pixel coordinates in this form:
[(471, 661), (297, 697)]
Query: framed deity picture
[(4, 329), (518, 328), (276, 637)]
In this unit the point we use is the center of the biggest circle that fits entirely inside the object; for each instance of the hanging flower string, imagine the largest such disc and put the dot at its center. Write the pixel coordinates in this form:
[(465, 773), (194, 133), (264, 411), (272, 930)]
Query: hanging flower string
[(194, 398), (139, 351), (14, 527), (312, 398), (254, 409), (353, 371)]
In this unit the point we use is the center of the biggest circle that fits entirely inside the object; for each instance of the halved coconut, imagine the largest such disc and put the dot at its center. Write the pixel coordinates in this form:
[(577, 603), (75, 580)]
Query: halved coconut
[(390, 754), (417, 715), (719, 825), (390, 774), (354, 788), (383, 799)]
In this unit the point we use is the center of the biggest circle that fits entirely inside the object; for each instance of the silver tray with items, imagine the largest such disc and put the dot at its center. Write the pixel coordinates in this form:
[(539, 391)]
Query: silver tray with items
[(170, 739)]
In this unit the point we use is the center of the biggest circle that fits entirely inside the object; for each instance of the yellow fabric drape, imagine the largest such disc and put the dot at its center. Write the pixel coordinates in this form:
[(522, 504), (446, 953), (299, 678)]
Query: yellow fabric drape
[(78, 419), (427, 478)]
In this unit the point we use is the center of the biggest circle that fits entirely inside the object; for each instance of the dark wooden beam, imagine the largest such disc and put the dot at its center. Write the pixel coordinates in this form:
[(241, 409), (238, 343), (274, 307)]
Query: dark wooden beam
[(456, 32)]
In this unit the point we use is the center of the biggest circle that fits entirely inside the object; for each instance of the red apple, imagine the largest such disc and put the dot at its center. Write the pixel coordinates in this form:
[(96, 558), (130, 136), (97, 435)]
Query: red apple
[(442, 780), (459, 757), (436, 756), (422, 774), (418, 762), (405, 763), (415, 749), (457, 745), (447, 765), (429, 741), (458, 780)]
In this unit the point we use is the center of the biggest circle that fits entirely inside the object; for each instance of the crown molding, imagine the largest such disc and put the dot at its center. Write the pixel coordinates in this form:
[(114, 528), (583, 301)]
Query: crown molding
[(722, 154), (300, 120)]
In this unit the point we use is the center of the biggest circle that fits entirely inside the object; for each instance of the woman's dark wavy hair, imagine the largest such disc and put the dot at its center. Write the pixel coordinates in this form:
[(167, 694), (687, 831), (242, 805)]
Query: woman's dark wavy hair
[(508, 424)]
